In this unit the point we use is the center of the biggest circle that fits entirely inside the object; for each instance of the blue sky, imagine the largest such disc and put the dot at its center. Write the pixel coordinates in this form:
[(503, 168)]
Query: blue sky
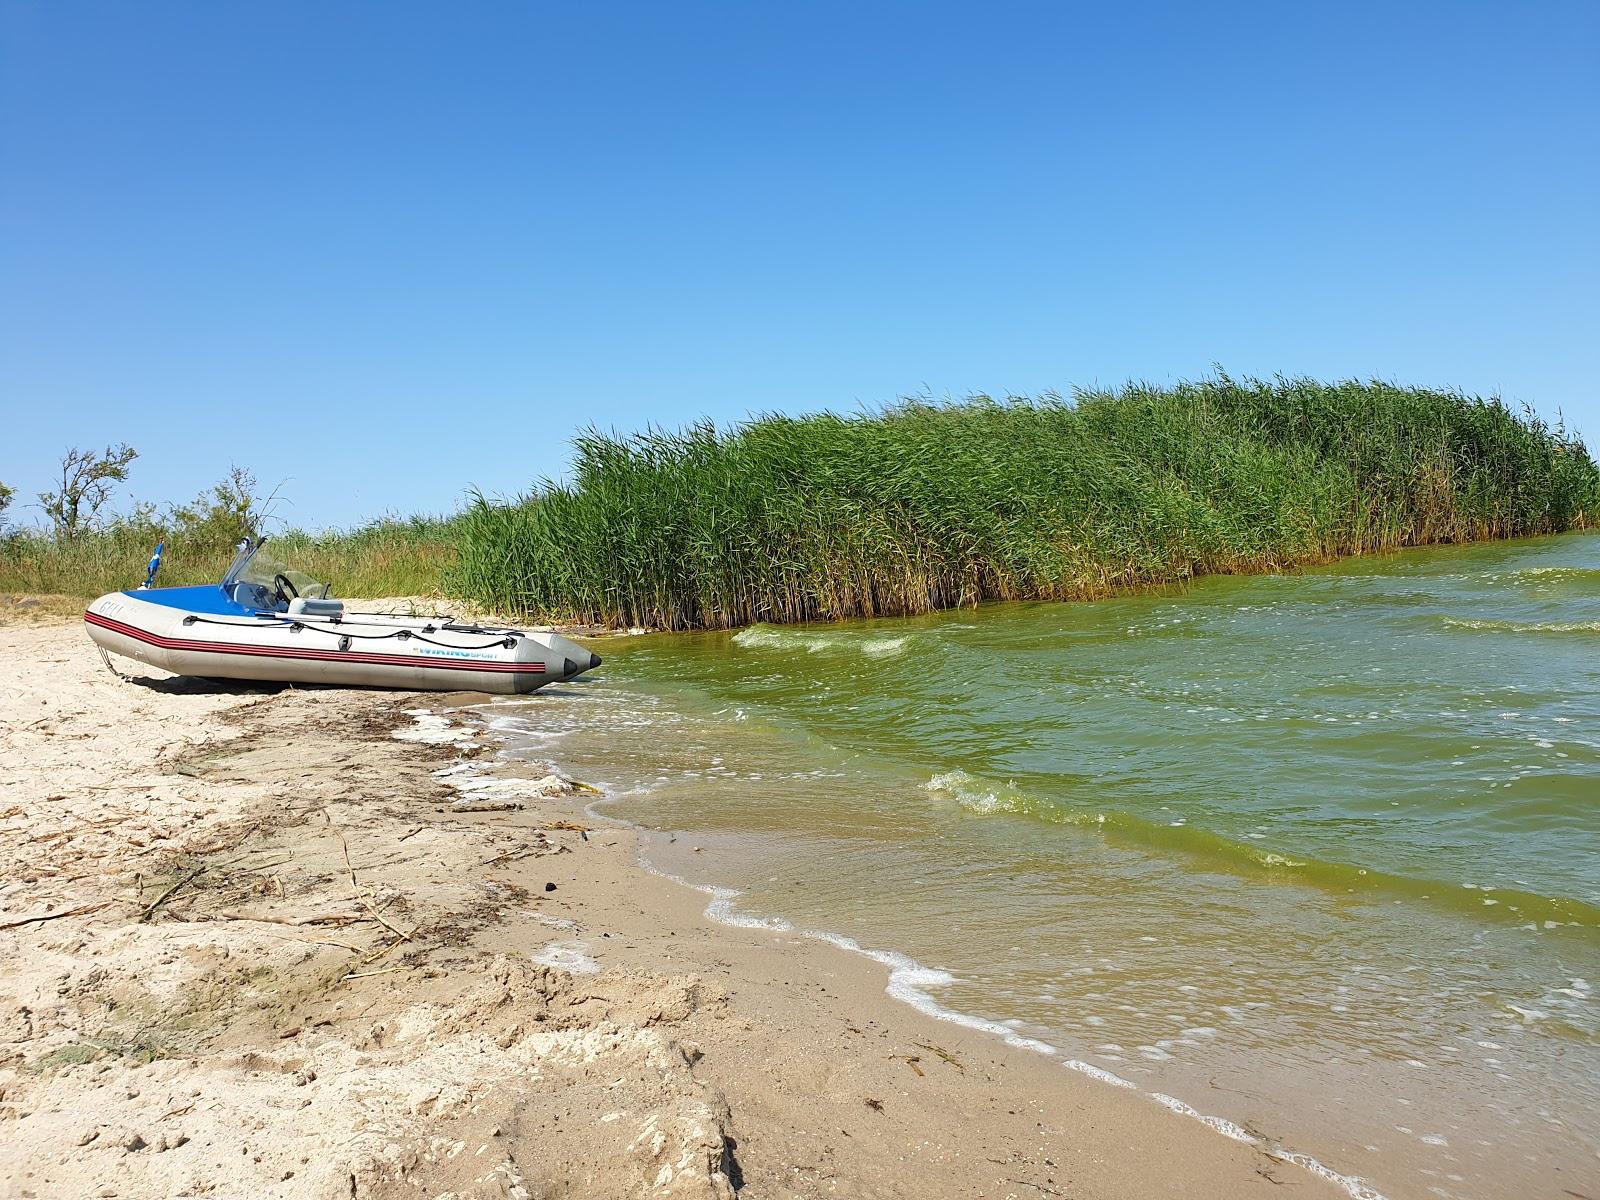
[(385, 251)]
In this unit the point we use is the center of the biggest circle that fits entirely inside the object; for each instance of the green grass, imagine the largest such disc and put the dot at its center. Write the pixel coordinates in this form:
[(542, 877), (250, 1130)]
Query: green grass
[(926, 506), (390, 557)]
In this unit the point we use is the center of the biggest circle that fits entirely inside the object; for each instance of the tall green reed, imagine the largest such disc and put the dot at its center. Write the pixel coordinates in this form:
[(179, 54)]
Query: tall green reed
[(924, 506)]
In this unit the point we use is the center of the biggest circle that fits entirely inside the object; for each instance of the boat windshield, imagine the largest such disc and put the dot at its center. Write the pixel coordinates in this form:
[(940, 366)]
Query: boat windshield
[(256, 580)]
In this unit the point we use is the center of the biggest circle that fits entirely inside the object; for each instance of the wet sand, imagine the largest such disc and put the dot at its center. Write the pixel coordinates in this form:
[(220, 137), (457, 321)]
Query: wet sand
[(257, 945)]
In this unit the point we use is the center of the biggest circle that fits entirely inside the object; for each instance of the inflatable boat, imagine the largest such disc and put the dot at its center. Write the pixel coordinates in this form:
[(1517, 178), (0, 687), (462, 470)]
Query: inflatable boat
[(267, 621)]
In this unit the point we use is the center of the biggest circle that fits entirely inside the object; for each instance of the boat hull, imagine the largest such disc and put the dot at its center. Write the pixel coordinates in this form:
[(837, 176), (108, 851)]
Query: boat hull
[(414, 654)]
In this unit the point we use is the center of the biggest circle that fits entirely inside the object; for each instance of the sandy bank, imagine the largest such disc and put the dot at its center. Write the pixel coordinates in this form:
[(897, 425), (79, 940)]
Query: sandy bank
[(255, 945)]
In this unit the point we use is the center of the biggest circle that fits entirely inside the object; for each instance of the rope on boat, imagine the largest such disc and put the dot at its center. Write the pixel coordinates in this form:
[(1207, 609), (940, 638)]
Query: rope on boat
[(508, 642), (106, 658)]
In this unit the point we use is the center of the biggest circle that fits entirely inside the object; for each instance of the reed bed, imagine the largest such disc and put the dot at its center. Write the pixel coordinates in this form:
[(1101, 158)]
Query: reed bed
[(927, 506), (391, 557)]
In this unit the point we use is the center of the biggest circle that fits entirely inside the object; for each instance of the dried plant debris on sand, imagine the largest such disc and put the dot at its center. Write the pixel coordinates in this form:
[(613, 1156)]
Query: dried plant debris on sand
[(221, 1022)]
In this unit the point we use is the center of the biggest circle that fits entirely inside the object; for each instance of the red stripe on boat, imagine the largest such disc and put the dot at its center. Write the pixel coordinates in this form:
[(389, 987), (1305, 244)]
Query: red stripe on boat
[(352, 656)]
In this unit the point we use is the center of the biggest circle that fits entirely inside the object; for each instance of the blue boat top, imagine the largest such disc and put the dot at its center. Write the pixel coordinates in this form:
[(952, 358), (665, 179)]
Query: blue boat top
[(254, 586), (206, 598)]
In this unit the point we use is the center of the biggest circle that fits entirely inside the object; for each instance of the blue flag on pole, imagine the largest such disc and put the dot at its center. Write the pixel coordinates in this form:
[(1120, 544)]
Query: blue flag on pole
[(155, 565)]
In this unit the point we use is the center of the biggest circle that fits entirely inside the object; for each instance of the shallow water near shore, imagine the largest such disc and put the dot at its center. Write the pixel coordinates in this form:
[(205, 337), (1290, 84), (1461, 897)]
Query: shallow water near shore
[(1317, 854)]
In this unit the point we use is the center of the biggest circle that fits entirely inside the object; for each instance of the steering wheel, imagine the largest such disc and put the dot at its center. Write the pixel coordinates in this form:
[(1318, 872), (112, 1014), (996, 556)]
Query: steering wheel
[(284, 590)]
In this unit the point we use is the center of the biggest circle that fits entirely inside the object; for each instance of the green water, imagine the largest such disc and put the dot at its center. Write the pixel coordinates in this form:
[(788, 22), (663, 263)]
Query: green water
[(1318, 854)]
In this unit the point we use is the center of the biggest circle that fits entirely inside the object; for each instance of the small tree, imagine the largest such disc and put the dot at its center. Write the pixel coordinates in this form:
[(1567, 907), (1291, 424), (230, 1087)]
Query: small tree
[(5, 502), (86, 480), (227, 512)]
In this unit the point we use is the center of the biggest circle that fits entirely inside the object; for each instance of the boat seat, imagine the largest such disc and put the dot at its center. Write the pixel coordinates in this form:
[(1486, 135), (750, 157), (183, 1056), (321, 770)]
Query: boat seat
[(315, 606)]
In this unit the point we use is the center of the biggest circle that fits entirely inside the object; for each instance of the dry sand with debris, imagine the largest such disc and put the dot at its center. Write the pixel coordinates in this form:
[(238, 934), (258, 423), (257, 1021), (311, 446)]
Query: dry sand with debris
[(254, 945)]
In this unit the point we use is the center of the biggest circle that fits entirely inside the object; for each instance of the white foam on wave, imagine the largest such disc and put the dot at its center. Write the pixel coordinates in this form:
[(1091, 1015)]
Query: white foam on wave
[(962, 787), (1100, 1073), (476, 788), (909, 982), (430, 729), (757, 637), (1269, 859), (541, 788), (976, 795), (1352, 1185), (883, 647), (1222, 1125), (1558, 572), (527, 730), (721, 909), (1529, 627)]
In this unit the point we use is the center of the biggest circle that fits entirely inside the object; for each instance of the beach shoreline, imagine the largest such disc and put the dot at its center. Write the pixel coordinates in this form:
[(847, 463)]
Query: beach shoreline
[(258, 943)]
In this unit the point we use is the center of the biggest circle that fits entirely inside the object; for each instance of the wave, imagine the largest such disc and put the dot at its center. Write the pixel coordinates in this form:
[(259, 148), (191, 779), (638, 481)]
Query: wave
[(1542, 575), (1529, 910), (771, 637), (1578, 627), (912, 983)]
